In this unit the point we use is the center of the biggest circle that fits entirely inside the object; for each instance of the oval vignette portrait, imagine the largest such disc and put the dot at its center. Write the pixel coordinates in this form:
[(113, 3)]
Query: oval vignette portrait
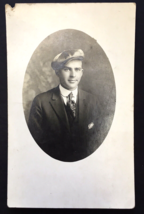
[(69, 95)]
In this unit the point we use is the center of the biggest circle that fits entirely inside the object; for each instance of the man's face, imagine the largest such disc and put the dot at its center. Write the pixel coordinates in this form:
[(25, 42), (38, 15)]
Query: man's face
[(70, 75)]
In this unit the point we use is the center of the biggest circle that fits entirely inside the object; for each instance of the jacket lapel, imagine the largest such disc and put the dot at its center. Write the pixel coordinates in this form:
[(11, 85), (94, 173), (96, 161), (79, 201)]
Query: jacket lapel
[(58, 106), (82, 110)]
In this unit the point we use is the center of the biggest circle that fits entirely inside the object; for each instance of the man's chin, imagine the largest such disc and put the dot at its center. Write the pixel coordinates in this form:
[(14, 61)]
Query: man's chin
[(71, 86)]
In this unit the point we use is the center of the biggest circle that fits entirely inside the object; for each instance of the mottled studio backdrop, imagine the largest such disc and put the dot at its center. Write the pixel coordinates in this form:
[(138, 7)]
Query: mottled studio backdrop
[(98, 76)]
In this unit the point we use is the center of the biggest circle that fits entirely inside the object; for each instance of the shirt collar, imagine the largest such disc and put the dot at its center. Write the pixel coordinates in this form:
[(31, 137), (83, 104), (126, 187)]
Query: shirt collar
[(66, 92)]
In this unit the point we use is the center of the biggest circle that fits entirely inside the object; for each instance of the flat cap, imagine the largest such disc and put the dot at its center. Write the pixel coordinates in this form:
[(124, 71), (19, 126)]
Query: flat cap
[(68, 55)]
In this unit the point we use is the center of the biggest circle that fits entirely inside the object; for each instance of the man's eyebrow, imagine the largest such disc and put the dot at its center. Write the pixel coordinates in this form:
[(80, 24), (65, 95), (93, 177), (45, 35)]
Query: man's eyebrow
[(70, 67)]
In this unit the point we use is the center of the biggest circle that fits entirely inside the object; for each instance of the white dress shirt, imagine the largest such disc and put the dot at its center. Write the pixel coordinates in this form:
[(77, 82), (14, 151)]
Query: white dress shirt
[(65, 93)]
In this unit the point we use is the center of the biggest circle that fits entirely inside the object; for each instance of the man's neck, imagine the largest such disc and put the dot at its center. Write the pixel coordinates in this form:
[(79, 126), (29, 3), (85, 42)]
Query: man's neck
[(72, 89), (66, 92)]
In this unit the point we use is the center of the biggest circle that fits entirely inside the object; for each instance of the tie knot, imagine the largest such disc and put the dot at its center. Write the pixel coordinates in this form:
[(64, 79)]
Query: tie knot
[(71, 96)]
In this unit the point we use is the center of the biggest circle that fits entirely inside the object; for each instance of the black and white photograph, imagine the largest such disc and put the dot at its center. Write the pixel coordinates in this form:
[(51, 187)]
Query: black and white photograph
[(71, 119), (70, 105)]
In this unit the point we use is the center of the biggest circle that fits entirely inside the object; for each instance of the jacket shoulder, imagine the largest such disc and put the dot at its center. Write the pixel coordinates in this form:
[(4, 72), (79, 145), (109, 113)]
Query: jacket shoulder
[(92, 101), (88, 95), (44, 96)]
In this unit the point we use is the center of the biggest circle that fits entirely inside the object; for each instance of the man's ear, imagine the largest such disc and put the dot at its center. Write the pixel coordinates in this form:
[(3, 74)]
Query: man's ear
[(82, 71), (57, 72)]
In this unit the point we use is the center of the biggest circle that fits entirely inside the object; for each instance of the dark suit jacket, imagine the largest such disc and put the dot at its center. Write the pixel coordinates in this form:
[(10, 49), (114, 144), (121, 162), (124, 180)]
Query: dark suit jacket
[(49, 125)]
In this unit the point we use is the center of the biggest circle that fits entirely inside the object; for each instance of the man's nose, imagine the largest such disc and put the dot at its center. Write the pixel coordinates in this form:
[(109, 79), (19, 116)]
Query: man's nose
[(72, 73)]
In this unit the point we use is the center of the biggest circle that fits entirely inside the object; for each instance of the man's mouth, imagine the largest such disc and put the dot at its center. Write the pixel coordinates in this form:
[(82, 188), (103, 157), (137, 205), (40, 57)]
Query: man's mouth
[(72, 81)]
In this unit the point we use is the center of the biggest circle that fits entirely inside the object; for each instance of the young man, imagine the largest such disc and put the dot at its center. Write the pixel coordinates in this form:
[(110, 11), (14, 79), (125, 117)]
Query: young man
[(65, 120)]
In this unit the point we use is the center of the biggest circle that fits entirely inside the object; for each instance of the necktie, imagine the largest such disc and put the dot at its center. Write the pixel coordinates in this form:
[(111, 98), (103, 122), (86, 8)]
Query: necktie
[(71, 104)]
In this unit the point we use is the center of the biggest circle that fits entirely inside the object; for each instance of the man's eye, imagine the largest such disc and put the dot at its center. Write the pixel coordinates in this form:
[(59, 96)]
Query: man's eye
[(77, 69)]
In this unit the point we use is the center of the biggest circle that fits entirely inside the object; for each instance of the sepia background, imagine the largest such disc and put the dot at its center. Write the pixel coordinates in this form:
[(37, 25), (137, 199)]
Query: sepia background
[(98, 76)]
